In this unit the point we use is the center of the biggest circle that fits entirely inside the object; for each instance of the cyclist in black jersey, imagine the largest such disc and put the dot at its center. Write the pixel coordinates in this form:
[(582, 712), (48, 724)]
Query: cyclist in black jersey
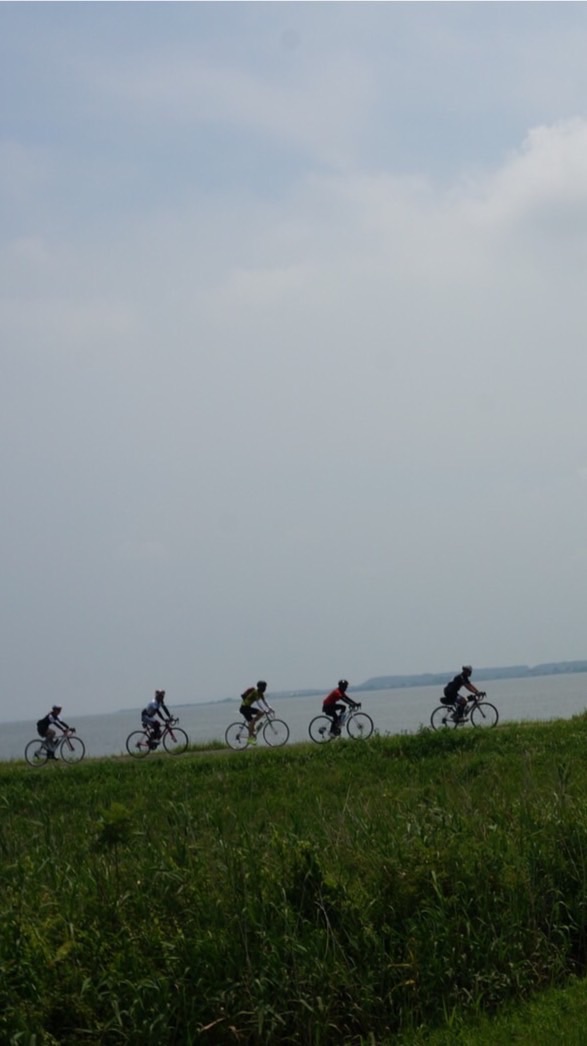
[(451, 691), (46, 729)]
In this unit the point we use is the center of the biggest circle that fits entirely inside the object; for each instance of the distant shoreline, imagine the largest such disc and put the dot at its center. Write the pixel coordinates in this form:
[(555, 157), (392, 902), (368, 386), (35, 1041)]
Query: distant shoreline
[(549, 668), (402, 682)]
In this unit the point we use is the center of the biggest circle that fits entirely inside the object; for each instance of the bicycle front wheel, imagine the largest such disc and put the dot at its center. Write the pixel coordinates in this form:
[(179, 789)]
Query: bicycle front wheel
[(237, 736), (319, 729), (175, 740), (443, 717), (484, 714), (137, 744), (72, 749), (35, 753), (275, 732), (359, 725)]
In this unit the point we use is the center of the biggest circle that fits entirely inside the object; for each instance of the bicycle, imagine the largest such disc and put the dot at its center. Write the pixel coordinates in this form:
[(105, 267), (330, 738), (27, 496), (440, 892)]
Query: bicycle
[(70, 747), (358, 725), (477, 711), (275, 732), (141, 742)]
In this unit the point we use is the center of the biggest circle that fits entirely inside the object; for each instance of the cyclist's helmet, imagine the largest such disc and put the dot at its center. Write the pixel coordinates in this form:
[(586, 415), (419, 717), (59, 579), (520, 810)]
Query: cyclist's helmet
[(159, 695), (262, 685), (342, 684), (467, 670), (56, 708)]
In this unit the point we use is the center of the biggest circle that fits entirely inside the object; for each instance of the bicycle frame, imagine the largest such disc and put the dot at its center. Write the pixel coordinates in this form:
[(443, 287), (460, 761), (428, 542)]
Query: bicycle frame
[(64, 740), (69, 747), (140, 742), (471, 704), (477, 711), (239, 735)]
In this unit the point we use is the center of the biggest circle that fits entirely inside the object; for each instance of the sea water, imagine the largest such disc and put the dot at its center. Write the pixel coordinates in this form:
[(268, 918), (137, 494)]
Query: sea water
[(396, 711)]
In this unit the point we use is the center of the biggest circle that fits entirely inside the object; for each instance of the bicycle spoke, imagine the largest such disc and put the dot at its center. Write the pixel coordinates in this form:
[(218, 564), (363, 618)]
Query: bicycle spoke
[(237, 736), (275, 732), (320, 729), (175, 740)]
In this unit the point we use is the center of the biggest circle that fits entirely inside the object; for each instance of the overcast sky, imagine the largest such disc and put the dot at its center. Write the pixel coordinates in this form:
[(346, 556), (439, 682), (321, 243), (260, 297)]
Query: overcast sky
[(293, 364)]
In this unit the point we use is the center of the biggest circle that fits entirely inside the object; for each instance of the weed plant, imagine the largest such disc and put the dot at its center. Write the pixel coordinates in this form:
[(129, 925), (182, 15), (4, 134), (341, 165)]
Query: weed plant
[(356, 893)]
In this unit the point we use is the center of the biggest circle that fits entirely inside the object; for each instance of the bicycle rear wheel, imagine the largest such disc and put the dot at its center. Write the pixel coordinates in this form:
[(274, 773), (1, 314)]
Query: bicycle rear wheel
[(443, 717), (319, 729), (359, 725), (175, 740), (137, 744), (237, 736), (275, 732), (484, 714), (72, 749), (35, 753)]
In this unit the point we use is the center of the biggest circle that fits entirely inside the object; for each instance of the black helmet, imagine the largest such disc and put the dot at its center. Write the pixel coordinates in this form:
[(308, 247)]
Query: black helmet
[(467, 670), (342, 684), (261, 685), (159, 695), (56, 708)]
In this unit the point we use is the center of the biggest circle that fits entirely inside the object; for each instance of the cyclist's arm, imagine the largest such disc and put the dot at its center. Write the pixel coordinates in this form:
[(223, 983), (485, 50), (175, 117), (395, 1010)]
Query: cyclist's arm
[(349, 701), (473, 689)]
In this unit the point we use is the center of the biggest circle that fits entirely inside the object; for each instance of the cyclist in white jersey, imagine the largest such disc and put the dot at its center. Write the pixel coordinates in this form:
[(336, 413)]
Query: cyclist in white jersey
[(156, 710)]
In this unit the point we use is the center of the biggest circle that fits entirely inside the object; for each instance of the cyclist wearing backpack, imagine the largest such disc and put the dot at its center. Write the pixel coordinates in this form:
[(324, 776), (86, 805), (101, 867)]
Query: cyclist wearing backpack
[(451, 691), (333, 708), (156, 710), (253, 706), (46, 729)]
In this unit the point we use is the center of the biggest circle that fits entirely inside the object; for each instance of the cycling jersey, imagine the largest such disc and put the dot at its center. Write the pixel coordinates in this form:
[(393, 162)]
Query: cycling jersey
[(333, 697), (451, 689), (154, 708), (50, 720), (250, 696)]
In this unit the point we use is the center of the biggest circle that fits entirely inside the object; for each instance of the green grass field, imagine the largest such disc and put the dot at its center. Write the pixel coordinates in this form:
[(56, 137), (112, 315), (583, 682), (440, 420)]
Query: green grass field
[(428, 888)]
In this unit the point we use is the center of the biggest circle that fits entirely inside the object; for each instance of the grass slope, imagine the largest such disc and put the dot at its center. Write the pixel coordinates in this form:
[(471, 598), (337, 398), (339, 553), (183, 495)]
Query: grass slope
[(400, 890)]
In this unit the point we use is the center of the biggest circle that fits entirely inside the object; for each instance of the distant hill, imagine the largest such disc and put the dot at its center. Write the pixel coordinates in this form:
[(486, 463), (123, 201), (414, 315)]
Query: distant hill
[(550, 668), (398, 682)]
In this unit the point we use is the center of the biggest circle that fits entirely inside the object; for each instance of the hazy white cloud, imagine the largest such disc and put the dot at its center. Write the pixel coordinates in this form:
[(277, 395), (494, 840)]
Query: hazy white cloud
[(317, 109)]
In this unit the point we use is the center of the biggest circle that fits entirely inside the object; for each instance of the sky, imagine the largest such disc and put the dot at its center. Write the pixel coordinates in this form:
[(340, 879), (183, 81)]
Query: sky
[(292, 345)]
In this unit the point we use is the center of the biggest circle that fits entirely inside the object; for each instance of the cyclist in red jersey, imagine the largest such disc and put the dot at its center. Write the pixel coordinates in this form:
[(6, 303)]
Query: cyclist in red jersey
[(333, 707)]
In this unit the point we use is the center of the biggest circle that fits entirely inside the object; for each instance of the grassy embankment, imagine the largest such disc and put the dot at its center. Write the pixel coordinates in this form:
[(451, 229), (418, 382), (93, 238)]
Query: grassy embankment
[(373, 893)]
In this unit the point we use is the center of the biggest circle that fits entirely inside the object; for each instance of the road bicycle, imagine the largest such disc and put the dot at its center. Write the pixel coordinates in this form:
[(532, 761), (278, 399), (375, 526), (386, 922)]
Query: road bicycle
[(274, 732), (141, 742), (358, 725), (477, 712), (69, 748)]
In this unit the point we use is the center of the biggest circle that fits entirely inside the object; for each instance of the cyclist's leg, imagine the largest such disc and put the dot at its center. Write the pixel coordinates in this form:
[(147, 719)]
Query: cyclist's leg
[(249, 715), (50, 742), (151, 727), (258, 714), (460, 706), (334, 711)]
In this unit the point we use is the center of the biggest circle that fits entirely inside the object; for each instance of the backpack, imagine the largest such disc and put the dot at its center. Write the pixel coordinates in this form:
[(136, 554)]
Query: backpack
[(250, 690)]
